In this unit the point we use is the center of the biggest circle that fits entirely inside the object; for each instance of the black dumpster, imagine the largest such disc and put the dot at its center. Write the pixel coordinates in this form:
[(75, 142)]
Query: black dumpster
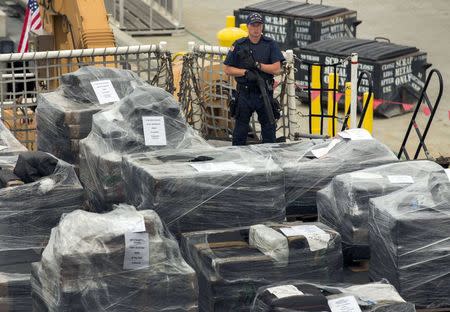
[(398, 72), (295, 24)]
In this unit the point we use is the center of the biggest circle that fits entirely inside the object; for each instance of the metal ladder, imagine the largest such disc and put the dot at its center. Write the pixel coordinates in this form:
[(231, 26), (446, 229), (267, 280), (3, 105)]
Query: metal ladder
[(433, 108)]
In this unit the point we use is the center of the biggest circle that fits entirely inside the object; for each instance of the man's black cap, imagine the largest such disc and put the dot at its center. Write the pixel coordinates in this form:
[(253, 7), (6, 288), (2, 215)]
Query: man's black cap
[(255, 18)]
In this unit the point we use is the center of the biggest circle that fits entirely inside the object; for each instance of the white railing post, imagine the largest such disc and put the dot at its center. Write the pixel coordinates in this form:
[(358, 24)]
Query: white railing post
[(290, 94), (354, 94)]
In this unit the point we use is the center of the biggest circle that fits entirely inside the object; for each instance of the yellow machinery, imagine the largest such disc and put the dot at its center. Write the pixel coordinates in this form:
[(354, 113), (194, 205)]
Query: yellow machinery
[(230, 33), (77, 24)]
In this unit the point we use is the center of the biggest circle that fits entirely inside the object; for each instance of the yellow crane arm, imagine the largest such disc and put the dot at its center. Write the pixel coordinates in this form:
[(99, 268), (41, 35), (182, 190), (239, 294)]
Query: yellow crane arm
[(77, 24)]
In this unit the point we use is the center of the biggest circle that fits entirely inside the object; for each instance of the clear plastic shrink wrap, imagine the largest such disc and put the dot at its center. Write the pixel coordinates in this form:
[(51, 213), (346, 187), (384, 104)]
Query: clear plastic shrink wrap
[(120, 130), (344, 204), (309, 166), (203, 189), (298, 296), (44, 188), (409, 232), (64, 116), (232, 264), (123, 260), (15, 292), (9, 145)]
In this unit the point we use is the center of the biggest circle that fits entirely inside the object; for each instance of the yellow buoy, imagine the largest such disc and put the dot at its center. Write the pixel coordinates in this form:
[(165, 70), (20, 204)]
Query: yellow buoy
[(230, 33)]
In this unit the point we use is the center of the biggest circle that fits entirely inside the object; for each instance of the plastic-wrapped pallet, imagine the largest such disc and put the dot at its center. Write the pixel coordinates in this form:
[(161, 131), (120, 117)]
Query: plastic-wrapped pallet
[(309, 166), (344, 204), (232, 264), (15, 292), (46, 188), (206, 188), (9, 145), (410, 241), (146, 120), (123, 260), (298, 296), (64, 116)]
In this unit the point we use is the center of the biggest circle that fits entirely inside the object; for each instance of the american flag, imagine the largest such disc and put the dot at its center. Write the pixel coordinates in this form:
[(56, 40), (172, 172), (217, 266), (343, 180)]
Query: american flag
[(32, 22)]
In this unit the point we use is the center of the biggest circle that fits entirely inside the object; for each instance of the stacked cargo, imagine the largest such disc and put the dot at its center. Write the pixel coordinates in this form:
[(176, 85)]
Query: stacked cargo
[(64, 117), (344, 204), (397, 71), (409, 239), (124, 260), (9, 145), (233, 263), (206, 188), (309, 166), (148, 119), (300, 296), (15, 290), (37, 189), (296, 24)]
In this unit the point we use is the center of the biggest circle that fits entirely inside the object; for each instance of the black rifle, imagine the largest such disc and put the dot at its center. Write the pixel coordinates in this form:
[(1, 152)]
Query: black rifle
[(267, 103), (249, 63)]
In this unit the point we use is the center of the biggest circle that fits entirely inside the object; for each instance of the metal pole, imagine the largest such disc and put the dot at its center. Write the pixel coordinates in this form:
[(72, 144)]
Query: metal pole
[(290, 94), (354, 90), (121, 13)]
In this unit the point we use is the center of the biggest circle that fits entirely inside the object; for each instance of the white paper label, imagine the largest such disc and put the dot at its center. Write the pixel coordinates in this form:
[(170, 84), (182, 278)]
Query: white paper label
[(136, 251), (344, 304), (356, 134), (400, 179), (131, 224), (220, 166), (105, 92), (365, 175), (447, 171), (316, 237), (154, 130), (284, 291), (325, 150)]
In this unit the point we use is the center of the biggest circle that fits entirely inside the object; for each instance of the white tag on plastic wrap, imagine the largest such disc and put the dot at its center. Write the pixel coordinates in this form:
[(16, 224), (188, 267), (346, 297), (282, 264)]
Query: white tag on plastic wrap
[(447, 171), (284, 291), (154, 130), (105, 92), (344, 304), (317, 238), (319, 152), (133, 223), (400, 179), (365, 175), (136, 251), (356, 134), (219, 166)]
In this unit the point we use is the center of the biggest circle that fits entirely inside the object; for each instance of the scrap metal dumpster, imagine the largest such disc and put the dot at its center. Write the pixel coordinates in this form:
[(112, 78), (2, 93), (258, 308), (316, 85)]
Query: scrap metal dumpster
[(398, 72), (295, 24)]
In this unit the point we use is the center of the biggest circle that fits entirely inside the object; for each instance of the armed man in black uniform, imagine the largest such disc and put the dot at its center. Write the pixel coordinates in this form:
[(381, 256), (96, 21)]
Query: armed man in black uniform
[(253, 61)]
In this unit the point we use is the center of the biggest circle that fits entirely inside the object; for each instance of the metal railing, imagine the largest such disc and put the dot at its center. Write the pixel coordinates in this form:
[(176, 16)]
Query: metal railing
[(205, 92), (147, 17), (24, 75)]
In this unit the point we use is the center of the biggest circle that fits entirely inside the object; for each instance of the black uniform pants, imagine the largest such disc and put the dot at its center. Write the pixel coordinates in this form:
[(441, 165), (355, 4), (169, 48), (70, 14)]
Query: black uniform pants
[(248, 101)]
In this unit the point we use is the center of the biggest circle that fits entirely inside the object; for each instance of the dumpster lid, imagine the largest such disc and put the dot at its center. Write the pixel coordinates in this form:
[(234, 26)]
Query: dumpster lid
[(367, 49), (295, 8)]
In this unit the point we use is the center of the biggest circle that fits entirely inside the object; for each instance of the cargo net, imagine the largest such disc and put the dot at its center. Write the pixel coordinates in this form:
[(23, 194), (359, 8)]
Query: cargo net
[(23, 76), (205, 93)]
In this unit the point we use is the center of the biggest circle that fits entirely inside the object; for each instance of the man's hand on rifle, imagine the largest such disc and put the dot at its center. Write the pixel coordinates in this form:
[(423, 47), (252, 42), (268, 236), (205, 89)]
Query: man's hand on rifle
[(251, 76)]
